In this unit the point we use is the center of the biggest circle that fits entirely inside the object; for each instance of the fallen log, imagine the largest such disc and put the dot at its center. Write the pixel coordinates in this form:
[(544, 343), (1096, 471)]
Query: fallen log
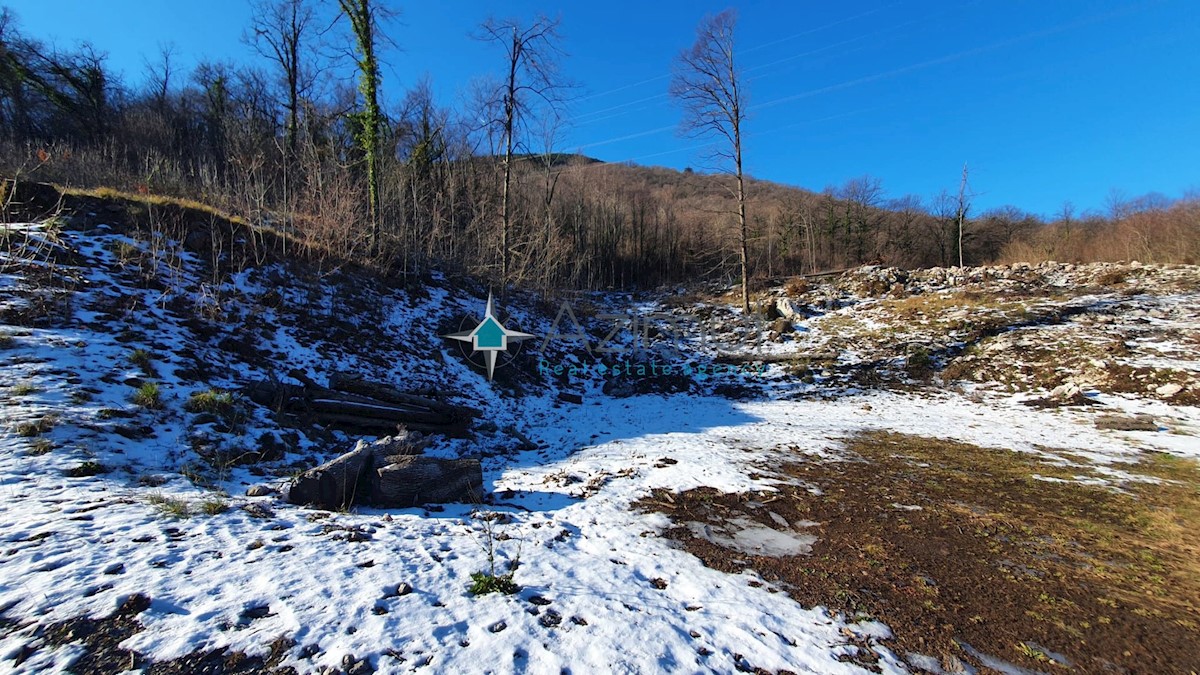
[(388, 473), (378, 410), (386, 426), (336, 483), (354, 384), (413, 481), (359, 411)]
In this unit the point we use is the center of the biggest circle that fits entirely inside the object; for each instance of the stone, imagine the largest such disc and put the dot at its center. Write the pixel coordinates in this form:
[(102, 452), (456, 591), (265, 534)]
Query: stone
[(1168, 390)]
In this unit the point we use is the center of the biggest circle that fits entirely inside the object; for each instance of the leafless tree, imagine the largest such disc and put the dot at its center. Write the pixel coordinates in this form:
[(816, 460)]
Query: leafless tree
[(280, 31), (706, 83), (531, 80), (961, 207)]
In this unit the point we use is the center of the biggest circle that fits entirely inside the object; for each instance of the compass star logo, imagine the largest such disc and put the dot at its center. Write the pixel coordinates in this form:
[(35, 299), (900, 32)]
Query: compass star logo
[(489, 338)]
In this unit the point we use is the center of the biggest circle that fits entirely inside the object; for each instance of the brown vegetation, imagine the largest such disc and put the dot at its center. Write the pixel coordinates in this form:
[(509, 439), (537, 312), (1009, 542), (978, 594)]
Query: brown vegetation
[(951, 544)]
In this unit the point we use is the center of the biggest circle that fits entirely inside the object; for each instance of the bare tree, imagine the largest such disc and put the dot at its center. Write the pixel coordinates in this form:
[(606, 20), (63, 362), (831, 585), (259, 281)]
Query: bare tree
[(962, 206), (531, 78), (706, 83), (279, 30)]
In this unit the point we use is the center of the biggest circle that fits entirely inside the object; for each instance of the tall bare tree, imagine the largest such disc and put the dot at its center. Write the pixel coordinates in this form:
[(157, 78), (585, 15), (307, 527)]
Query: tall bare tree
[(707, 84), (531, 78), (962, 206), (279, 30)]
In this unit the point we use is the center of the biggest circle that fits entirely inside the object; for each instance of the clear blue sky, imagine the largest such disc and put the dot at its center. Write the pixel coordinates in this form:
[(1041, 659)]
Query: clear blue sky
[(1047, 101)]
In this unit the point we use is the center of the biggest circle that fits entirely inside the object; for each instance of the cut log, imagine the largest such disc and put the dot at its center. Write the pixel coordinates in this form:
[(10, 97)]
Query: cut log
[(378, 410), (361, 412), (336, 483), (377, 425), (413, 481), (356, 385)]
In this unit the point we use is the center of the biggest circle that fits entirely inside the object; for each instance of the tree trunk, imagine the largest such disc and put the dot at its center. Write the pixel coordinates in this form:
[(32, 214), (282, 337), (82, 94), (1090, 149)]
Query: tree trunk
[(336, 483), (412, 481)]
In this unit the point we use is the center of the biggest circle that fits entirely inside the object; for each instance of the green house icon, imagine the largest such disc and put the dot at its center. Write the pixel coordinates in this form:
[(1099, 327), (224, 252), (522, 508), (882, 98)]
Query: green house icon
[(489, 334), (489, 337)]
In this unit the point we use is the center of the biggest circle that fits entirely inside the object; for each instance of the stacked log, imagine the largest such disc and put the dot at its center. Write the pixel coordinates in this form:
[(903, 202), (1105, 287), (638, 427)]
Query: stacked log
[(355, 405)]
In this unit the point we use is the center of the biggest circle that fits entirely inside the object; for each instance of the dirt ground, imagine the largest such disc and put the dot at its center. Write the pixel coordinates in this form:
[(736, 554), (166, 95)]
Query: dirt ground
[(982, 556)]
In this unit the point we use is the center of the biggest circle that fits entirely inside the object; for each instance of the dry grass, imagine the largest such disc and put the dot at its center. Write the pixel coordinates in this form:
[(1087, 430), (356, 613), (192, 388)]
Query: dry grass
[(150, 199)]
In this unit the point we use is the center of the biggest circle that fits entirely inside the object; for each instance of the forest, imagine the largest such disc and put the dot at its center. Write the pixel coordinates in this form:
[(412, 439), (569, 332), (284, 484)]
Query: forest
[(355, 168)]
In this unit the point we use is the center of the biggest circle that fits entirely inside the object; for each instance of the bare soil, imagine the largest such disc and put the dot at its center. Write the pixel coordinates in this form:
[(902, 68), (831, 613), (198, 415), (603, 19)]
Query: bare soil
[(1047, 575)]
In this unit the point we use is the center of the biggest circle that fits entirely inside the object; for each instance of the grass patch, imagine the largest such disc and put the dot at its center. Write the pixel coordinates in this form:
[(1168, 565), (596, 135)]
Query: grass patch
[(212, 401), (171, 506), (148, 396), (88, 468), (24, 389), (144, 360), (7, 341), (150, 199), (483, 583), (41, 446), (213, 507), (36, 427)]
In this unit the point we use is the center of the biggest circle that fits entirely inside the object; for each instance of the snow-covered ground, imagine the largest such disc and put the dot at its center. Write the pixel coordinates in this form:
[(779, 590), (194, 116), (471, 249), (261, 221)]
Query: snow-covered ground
[(599, 591)]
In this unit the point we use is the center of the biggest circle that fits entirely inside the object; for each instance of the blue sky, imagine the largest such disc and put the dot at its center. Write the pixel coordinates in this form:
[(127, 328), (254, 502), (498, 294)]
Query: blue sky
[(1046, 101)]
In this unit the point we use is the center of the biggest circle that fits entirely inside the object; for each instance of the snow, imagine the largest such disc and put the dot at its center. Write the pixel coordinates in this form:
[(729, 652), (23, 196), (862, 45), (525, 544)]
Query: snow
[(568, 520)]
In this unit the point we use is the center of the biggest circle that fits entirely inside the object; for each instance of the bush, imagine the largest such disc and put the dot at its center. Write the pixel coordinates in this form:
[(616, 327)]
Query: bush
[(483, 583), (24, 389), (213, 507), (36, 427), (213, 401), (919, 363), (144, 361), (148, 396), (88, 468)]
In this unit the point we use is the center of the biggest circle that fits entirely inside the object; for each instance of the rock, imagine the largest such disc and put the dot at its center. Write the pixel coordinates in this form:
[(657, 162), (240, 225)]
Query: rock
[(260, 491), (403, 588), (1065, 391), (1126, 423), (783, 326), (786, 309), (568, 397), (1168, 390), (256, 510)]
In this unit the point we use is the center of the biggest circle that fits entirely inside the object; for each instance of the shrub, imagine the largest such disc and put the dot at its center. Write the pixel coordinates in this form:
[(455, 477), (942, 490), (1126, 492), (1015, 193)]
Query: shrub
[(36, 427), (144, 361), (88, 468), (483, 583), (212, 401), (919, 363), (213, 507), (148, 396), (24, 389), (41, 446)]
